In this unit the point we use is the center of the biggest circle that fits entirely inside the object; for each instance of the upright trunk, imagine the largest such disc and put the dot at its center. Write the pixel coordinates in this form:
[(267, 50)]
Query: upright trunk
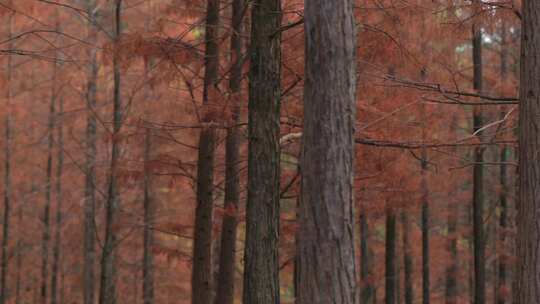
[(201, 279), (425, 224), (48, 191), (528, 234), (478, 176), (225, 287), (89, 232), (261, 263), (107, 292), (452, 267), (407, 258), (367, 291), (503, 196), (7, 174), (58, 235), (390, 258), (149, 215), (19, 260), (327, 270)]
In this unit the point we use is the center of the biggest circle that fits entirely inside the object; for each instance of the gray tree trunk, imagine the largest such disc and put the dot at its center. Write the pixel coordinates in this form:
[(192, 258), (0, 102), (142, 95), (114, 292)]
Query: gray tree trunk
[(261, 262), (327, 270)]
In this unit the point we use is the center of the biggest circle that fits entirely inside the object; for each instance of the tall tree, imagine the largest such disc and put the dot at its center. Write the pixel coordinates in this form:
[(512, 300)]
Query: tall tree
[(201, 278), (528, 235), (390, 276), (149, 217), (4, 263), (327, 270), (225, 284), (107, 292), (261, 263), (89, 232), (478, 169)]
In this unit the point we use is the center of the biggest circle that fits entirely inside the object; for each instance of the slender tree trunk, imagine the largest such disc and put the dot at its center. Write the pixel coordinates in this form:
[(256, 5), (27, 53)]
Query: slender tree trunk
[(407, 258), (503, 196), (201, 280), (58, 235), (261, 262), (7, 174), (452, 267), (89, 232), (390, 257), (149, 215), (46, 237), (107, 293), (528, 234), (478, 176), (425, 227), (327, 268), (18, 258), (367, 292), (227, 260)]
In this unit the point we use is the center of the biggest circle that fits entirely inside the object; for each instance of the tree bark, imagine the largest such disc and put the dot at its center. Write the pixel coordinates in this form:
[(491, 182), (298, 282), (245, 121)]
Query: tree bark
[(89, 231), (261, 262), (327, 270), (201, 280), (149, 215), (478, 175), (227, 259), (107, 292), (528, 234), (390, 258), (7, 173)]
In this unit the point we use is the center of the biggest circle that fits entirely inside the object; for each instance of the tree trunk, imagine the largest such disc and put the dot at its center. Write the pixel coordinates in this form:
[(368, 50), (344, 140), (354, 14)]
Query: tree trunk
[(478, 176), (452, 268), (425, 220), (7, 174), (227, 259), (528, 235), (89, 232), (390, 257), (107, 292), (407, 258), (261, 262), (149, 215), (367, 292), (201, 280), (58, 235), (327, 270)]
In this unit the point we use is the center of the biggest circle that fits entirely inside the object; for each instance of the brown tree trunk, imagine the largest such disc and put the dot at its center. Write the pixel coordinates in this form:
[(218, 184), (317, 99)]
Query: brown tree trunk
[(261, 262), (367, 292), (478, 175), (425, 216), (4, 263), (327, 270), (149, 215), (390, 258), (58, 221), (107, 292), (201, 279), (528, 235), (227, 259), (89, 232)]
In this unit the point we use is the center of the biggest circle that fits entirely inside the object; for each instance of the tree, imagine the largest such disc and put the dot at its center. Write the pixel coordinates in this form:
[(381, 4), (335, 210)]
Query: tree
[(326, 254), (261, 263), (527, 288)]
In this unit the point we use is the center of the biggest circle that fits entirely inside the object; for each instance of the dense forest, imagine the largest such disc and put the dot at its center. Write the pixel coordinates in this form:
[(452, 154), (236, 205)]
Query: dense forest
[(269, 151)]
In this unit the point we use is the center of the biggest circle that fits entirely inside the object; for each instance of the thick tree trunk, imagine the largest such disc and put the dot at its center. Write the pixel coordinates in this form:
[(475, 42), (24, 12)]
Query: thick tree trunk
[(407, 258), (107, 292), (58, 221), (149, 215), (327, 270), (390, 258), (89, 254), (261, 262), (201, 279), (528, 235), (367, 291), (478, 177), (4, 263), (227, 259)]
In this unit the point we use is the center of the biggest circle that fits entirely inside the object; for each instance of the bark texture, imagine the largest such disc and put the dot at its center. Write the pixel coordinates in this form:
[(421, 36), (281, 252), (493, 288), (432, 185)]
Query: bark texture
[(202, 274), (390, 258), (227, 259), (261, 263), (327, 270), (528, 236)]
